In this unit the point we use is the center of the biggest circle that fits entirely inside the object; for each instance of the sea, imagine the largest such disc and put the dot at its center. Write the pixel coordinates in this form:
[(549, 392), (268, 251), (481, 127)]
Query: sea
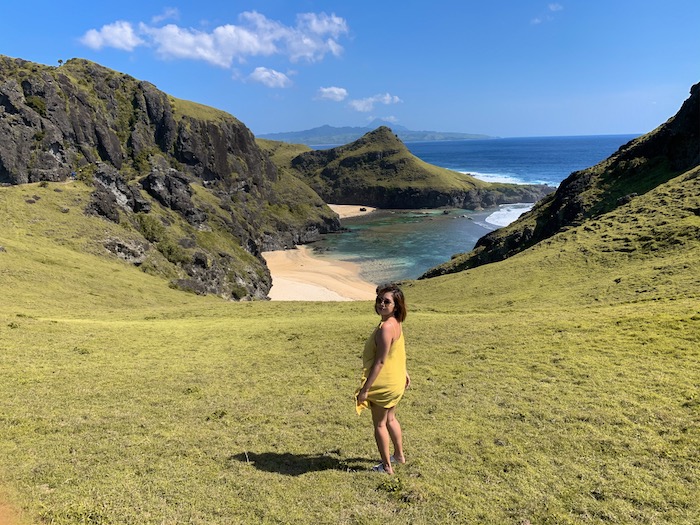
[(395, 245)]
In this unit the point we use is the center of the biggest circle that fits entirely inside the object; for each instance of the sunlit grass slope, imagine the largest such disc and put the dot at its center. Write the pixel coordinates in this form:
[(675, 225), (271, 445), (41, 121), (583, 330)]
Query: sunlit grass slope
[(558, 386)]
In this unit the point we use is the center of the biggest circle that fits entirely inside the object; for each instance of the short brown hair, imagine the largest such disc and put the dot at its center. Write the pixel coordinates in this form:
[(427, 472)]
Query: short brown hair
[(399, 300)]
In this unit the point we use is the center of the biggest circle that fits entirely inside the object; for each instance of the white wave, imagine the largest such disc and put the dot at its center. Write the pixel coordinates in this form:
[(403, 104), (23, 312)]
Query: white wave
[(504, 177), (508, 213), (495, 177)]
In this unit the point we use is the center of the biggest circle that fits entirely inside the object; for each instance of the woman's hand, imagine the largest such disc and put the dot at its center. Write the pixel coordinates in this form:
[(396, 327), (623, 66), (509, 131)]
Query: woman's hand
[(408, 380), (361, 397)]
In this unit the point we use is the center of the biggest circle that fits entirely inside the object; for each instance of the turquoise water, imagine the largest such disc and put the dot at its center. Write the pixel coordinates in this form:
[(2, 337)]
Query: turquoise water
[(392, 245)]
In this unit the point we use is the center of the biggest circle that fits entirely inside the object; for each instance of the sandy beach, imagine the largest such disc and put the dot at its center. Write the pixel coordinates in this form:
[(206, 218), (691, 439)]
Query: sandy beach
[(299, 276), (350, 210)]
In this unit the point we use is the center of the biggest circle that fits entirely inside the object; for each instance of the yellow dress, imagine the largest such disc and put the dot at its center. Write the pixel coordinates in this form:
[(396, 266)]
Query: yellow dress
[(387, 390)]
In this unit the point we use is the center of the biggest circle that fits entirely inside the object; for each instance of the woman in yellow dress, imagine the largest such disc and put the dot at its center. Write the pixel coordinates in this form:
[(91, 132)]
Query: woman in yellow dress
[(384, 375)]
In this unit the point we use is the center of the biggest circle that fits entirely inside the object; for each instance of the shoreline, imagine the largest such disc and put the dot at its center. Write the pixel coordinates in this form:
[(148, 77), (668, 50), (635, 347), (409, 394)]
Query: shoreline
[(346, 211), (299, 276)]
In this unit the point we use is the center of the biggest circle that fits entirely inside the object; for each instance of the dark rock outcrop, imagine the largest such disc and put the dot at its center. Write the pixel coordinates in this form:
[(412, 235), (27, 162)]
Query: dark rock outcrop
[(112, 193), (130, 251), (173, 191)]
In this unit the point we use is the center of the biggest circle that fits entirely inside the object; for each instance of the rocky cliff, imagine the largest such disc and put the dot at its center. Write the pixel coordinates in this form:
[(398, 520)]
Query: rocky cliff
[(152, 160), (636, 168), (378, 170)]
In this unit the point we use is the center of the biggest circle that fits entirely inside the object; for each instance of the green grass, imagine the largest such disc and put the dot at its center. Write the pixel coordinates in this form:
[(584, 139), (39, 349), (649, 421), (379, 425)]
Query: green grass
[(557, 387), (200, 111), (281, 153)]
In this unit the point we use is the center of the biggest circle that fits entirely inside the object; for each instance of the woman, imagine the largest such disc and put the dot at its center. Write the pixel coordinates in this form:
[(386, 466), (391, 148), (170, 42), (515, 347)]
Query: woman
[(384, 375)]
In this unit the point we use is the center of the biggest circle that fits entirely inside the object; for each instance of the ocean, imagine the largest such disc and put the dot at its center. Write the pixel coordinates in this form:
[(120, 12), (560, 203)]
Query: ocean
[(393, 245)]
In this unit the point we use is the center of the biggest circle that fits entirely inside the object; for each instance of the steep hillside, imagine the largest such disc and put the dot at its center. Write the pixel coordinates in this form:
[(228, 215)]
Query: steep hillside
[(636, 168), (159, 166), (378, 170)]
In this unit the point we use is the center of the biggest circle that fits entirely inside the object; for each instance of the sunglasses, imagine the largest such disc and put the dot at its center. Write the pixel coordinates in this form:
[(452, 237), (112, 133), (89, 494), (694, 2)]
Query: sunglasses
[(385, 302)]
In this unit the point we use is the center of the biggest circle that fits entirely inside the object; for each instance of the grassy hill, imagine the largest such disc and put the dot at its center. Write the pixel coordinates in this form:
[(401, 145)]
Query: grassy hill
[(557, 386), (378, 170)]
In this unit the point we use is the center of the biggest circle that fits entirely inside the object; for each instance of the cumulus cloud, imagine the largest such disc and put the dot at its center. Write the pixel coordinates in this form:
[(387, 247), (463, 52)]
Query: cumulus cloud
[(119, 35), (270, 78), (311, 38), (365, 105), (315, 35), (547, 16), (336, 94)]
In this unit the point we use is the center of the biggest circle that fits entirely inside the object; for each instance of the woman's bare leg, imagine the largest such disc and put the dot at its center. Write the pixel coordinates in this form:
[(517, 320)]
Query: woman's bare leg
[(394, 428), (381, 435)]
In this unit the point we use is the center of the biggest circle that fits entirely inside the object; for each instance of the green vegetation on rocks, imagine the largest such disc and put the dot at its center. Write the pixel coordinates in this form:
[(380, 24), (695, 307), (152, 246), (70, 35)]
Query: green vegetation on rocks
[(193, 168)]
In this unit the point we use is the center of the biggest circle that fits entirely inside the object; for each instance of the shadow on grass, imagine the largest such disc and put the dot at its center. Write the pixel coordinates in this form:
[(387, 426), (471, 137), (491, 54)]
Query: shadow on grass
[(297, 464)]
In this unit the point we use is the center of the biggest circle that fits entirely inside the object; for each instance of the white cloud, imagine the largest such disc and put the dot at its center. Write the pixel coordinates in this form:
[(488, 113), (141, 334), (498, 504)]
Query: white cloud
[(270, 78), (314, 36), (367, 104), (311, 38), (119, 35), (322, 24), (219, 47), (547, 16), (169, 13), (390, 119), (336, 94)]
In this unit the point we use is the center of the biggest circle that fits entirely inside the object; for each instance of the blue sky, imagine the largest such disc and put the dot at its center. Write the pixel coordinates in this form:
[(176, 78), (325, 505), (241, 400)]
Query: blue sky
[(500, 67)]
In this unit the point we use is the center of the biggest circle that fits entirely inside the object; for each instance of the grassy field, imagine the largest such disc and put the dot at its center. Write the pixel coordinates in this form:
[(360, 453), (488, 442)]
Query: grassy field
[(557, 387)]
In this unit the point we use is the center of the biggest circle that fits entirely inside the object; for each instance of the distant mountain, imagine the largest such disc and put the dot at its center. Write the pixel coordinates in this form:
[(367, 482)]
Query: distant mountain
[(329, 135)]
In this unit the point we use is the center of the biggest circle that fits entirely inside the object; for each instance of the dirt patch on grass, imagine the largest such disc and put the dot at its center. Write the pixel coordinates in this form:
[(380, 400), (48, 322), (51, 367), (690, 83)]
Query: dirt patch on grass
[(10, 516)]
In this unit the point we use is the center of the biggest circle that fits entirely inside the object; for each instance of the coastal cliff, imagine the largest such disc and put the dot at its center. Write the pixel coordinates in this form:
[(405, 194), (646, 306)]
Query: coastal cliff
[(156, 164), (378, 170), (636, 168)]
